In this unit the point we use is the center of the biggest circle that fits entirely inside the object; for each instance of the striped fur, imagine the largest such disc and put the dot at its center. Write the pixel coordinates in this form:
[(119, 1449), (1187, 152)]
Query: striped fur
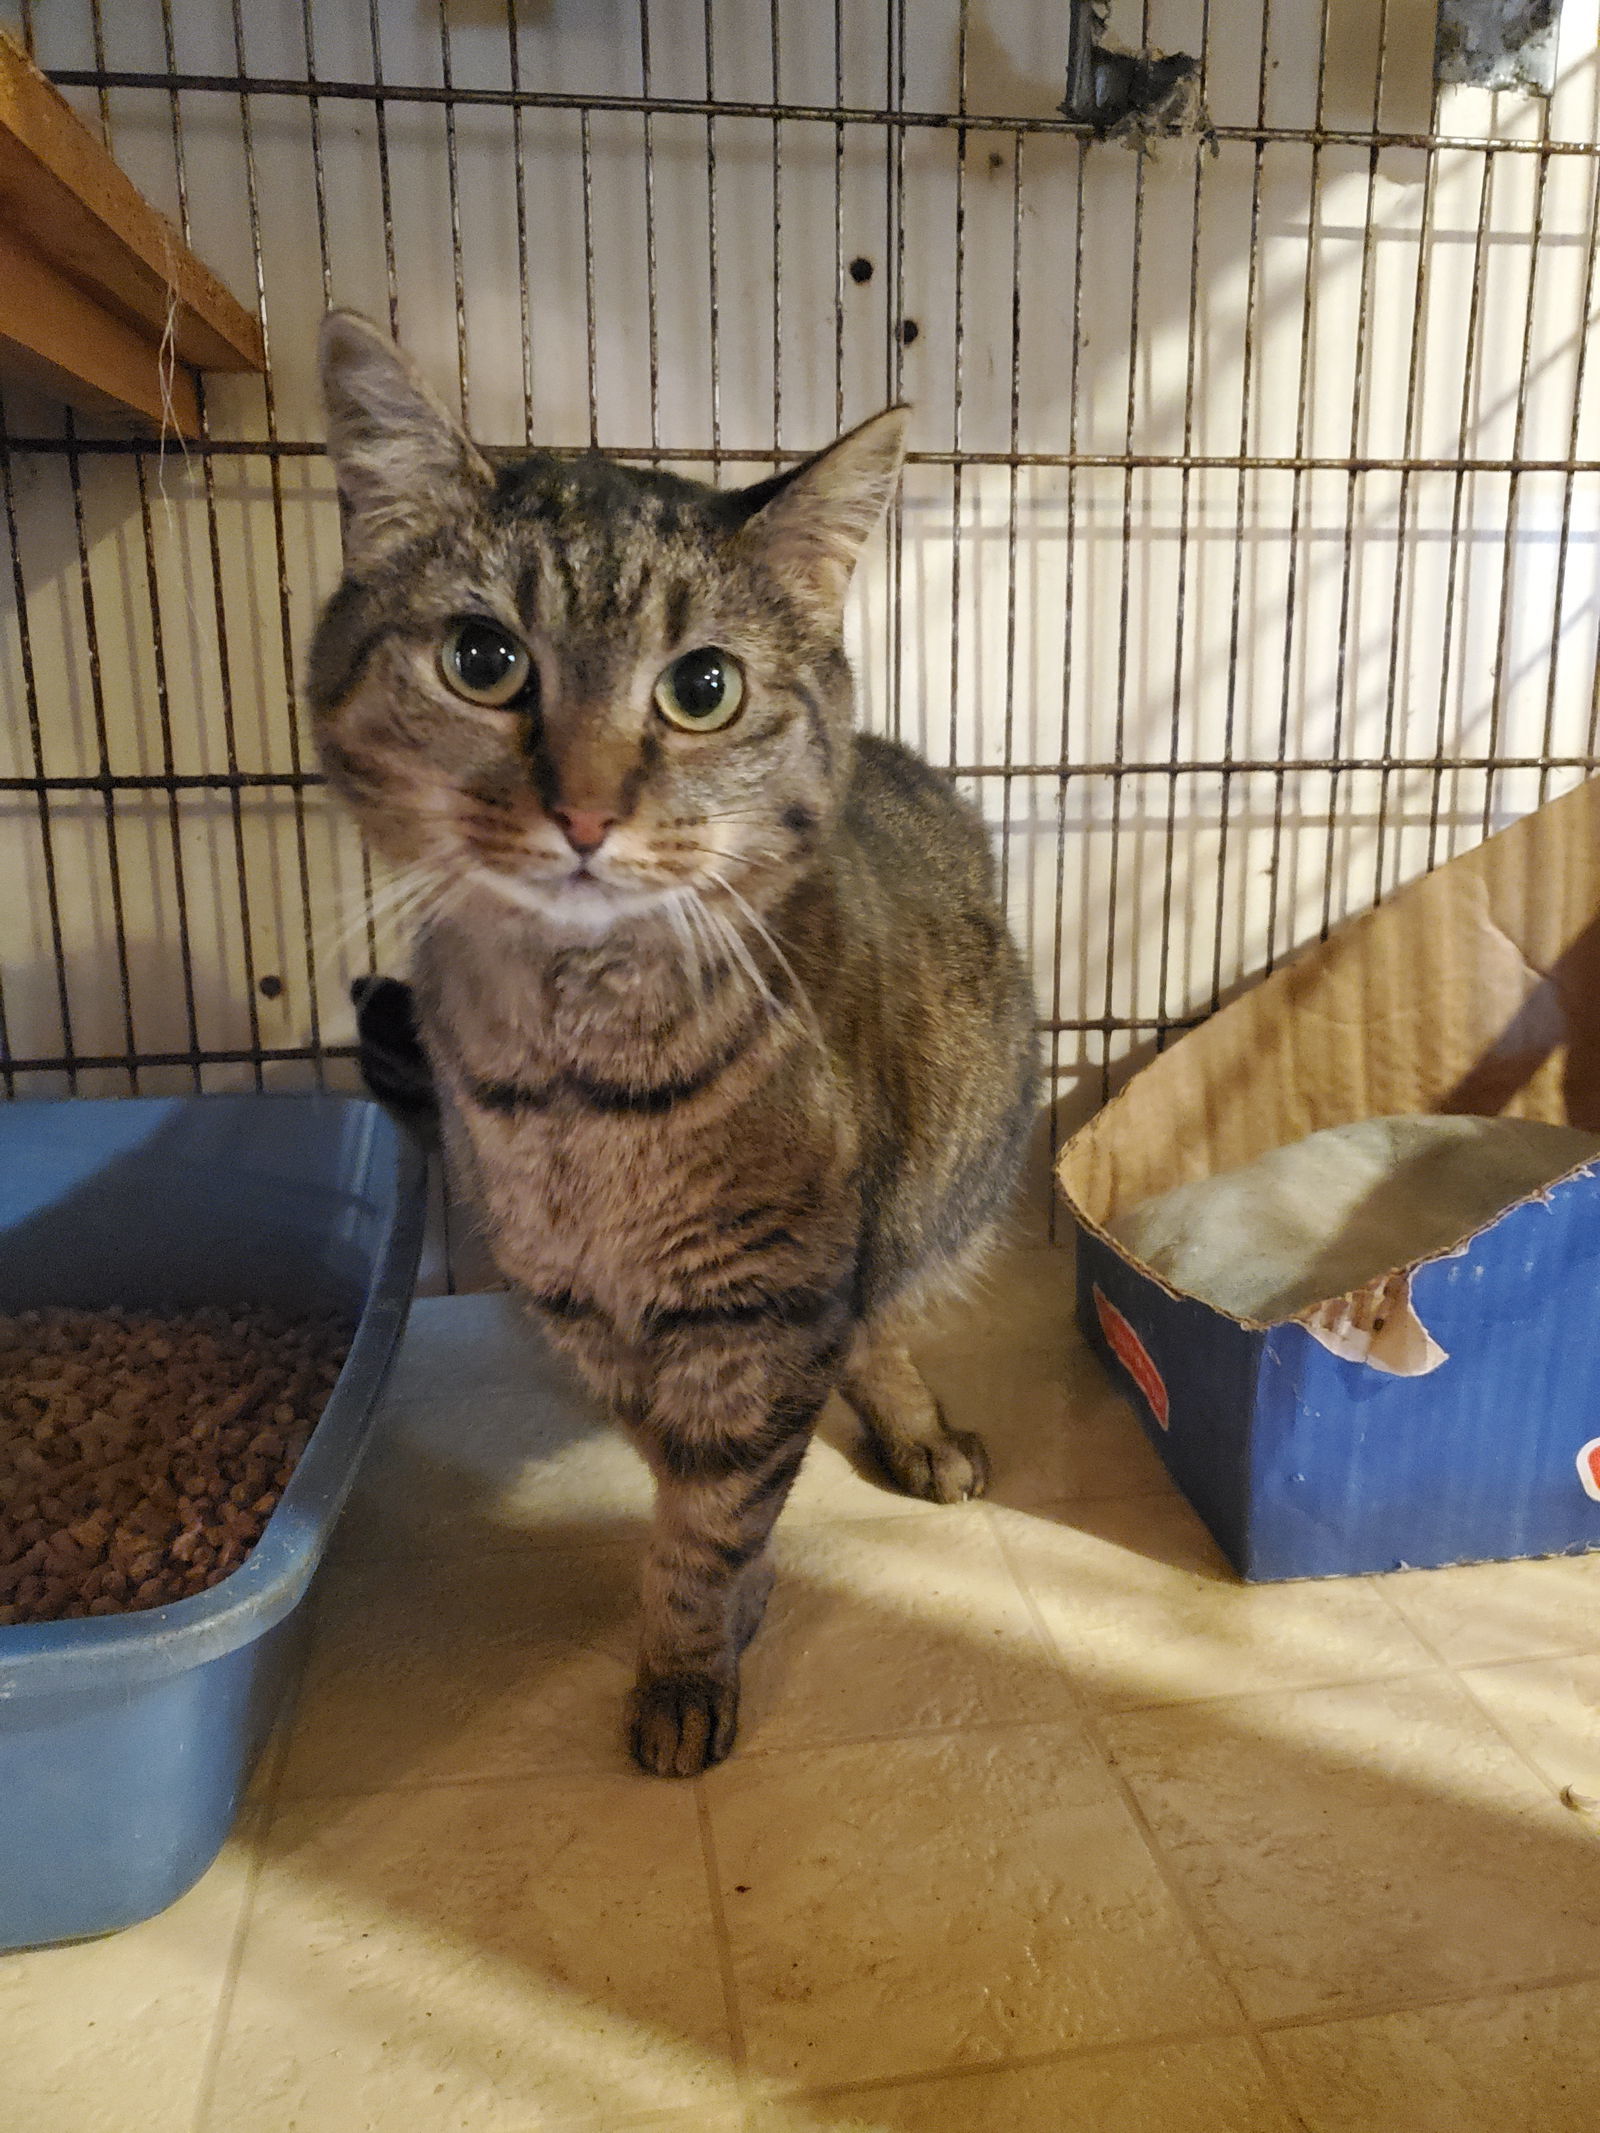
[(743, 1088)]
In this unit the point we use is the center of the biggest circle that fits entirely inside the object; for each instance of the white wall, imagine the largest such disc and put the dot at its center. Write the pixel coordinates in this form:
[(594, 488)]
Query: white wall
[(1092, 614)]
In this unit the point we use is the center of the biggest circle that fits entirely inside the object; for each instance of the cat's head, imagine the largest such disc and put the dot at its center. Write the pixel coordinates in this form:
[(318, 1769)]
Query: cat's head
[(574, 686)]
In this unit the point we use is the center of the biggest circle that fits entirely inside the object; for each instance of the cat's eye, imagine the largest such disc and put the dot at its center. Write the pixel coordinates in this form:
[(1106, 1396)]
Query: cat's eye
[(484, 663), (701, 692)]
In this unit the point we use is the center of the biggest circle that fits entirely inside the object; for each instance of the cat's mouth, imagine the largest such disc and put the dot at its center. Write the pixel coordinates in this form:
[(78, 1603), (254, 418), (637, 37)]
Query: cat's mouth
[(579, 894), (594, 871)]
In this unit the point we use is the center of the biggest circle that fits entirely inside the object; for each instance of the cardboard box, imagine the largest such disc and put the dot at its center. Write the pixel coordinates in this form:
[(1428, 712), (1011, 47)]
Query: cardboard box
[(1344, 1441)]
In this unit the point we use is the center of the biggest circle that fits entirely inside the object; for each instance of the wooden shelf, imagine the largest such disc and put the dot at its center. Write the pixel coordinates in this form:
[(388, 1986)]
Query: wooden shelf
[(89, 270)]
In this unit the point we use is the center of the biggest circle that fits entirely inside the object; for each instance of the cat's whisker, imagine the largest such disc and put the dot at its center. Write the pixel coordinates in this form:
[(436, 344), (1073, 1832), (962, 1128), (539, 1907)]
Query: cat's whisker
[(755, 860), (705, 934), (739, 955), (390, 902), (401, 898), (717, 932), (417, 893), (678, 919), (729, 814), (674, 919), (699, 921), (738, 951), (801, 995)]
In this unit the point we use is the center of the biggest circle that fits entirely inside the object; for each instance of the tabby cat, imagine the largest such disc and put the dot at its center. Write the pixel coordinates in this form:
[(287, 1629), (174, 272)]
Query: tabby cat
[(731, 1045)]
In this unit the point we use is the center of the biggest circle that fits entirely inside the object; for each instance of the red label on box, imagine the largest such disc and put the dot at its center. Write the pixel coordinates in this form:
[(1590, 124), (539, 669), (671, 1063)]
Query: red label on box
[(1134, 1357), (1589, 1468)]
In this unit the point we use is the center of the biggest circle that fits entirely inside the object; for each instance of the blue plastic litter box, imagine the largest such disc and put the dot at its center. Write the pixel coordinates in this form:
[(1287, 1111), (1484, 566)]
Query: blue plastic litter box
[(126, 1742)]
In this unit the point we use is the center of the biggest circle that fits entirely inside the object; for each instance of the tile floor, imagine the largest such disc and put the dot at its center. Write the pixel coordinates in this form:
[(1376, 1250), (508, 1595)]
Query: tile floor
[(1039, 1820)]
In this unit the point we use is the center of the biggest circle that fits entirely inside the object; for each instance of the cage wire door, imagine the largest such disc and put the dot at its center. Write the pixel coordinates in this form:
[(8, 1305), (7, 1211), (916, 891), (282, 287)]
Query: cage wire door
[(1246, 563)]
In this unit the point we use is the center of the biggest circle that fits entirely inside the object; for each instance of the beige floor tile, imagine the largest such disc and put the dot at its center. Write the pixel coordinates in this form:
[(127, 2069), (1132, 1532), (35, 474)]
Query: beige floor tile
[(518, 1663), (1023, 1300), (891, 1626), (702, 2119), (1145, 1611), (446, 1667), (265, 1777), (1476, 1613), (840, 1478), (903, 1906), (110, 2036), (1365, 1846), (1551, 1708), (1056, 1431), (527, 1456), (1217, 2086), (520, 1454), (532, 1457), (1529, 2063), (483, 1957), (1007, 1361)]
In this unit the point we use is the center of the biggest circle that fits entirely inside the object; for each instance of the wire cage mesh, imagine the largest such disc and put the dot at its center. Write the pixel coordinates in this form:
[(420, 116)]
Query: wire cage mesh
[(1247, 559)]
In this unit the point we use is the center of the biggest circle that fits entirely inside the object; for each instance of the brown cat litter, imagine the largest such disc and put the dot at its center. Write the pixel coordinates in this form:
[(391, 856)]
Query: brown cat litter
[(141, 1455)]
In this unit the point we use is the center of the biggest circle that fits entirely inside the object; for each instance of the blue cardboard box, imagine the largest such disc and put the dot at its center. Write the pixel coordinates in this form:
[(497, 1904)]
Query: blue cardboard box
[(1450, 1411)]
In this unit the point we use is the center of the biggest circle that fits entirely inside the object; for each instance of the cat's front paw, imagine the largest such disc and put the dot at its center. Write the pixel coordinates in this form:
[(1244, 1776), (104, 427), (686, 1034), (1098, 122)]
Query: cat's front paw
[(683, 1723)]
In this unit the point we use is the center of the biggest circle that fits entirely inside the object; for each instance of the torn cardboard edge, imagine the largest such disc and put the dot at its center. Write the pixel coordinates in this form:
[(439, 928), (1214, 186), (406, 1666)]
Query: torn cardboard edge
[(1500, 1017), (1377, 1325)]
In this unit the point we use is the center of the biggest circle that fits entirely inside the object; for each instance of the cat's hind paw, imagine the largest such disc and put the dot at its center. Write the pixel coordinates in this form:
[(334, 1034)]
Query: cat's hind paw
[(950, 1469)]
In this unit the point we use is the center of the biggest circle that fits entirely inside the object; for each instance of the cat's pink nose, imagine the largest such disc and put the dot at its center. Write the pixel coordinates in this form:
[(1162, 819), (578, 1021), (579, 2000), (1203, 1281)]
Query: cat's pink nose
[(583, 827)]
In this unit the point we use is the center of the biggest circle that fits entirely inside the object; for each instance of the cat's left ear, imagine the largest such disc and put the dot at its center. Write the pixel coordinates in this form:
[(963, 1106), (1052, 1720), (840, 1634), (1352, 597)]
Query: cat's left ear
[(403, 464), (815, 521)]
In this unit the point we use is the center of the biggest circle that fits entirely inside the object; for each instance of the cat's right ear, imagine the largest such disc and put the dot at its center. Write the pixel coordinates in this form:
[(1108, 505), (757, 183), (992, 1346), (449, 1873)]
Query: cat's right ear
[(402, 462)]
